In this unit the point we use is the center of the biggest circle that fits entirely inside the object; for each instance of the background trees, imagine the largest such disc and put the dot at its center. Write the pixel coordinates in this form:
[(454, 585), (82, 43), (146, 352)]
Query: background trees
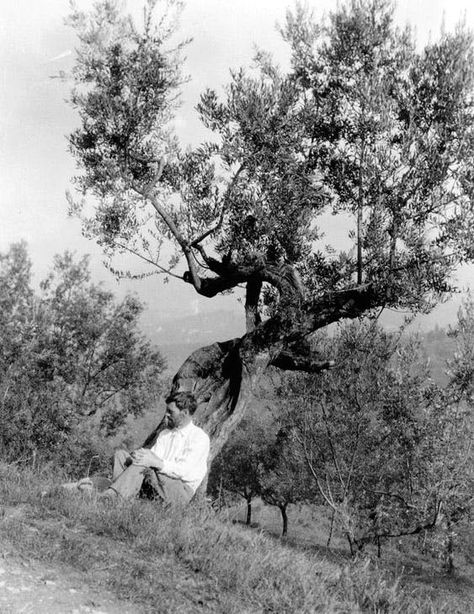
[(94, 345), (284, 476), (260, 460), (363, 126), (73, 362), (378, 436), (453, 466), (375, 440), (237, 468)]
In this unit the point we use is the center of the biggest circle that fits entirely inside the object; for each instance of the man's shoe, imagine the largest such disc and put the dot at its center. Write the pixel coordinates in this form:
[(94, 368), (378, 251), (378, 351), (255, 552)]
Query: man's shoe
[(109, 496), (100, 483), (85, 485)]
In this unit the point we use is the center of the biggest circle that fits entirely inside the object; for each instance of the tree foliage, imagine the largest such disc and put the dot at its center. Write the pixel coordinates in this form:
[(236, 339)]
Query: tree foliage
[(363, 126), (379, 438), (73, 364), (237, 468)]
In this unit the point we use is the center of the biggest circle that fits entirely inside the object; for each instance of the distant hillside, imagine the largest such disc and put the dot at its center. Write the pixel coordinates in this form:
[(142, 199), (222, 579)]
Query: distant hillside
[(178, 337)]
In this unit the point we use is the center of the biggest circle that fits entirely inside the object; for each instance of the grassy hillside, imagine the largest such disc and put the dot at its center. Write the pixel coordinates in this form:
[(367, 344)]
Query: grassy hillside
[(193, 560)]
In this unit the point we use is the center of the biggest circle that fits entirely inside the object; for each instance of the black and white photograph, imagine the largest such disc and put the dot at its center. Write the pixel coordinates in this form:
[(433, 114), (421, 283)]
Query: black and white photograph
[(237, 306)]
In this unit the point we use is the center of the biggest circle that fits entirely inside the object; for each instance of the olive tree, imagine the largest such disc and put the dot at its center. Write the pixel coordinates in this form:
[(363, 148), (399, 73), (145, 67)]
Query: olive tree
[(362, 126), (388, 450), (284, 475)]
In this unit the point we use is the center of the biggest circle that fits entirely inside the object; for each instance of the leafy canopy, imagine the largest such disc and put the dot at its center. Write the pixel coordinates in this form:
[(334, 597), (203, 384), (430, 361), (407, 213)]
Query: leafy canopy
[(362, 126), (388, 449), (73, 363)]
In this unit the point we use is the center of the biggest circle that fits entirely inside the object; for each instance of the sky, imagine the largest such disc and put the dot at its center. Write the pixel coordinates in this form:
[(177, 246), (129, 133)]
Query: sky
[(35, 166)]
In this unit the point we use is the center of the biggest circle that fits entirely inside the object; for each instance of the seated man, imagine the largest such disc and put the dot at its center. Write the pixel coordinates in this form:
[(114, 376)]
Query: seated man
[(176, 464)]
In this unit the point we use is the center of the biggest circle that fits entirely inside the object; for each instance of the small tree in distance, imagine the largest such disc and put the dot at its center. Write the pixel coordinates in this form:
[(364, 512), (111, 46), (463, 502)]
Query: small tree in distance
[(284, 476), (362, 125), (237, 468)]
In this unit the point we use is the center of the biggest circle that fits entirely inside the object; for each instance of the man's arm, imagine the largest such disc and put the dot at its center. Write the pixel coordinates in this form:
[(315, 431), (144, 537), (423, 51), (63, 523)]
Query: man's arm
[(147, 458)]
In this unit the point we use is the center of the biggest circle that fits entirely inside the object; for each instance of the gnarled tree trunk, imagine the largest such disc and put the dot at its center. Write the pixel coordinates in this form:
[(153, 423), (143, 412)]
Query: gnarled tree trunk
[(222, 375)]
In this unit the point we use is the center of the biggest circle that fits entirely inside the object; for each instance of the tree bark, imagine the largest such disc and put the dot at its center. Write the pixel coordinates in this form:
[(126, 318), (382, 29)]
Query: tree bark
[(221, 376), (284, 517), (248, 520), (252, 315), (331, 528)]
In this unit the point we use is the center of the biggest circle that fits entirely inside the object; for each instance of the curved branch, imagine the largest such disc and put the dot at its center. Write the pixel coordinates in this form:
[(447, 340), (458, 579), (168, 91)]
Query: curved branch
[(147, 193), (186, 249), (288, 329), (195, 242), (282, 276)]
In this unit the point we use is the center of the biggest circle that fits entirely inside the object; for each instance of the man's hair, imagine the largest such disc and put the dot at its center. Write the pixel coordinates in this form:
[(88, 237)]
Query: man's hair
[(184, 401)]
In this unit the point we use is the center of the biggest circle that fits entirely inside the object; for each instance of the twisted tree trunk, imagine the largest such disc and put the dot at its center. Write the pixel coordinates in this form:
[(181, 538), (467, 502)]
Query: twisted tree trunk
[(222, 375)]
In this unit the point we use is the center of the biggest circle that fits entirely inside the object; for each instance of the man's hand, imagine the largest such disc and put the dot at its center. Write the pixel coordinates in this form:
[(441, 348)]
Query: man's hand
[(146, 458)]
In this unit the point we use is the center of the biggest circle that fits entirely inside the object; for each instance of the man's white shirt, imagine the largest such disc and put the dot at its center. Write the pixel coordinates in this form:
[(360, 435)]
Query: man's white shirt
[(184, 453)]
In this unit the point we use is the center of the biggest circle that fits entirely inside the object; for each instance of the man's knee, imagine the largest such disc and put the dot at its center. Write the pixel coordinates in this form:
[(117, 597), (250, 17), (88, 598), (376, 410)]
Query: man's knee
[(122, 460), (122, 455)]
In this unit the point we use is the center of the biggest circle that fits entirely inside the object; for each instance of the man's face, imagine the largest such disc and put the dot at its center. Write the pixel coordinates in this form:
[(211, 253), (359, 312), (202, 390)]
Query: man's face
[(176, 417)]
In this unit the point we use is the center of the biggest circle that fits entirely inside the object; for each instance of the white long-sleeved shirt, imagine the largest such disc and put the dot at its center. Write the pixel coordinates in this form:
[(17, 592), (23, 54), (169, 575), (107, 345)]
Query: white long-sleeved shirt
[(184, 453)]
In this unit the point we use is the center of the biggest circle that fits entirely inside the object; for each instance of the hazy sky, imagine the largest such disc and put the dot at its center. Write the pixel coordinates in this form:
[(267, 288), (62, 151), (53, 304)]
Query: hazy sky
[(35, 167)]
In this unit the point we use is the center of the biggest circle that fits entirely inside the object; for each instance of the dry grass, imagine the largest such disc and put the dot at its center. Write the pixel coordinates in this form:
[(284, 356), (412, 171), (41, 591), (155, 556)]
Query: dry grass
[(190, 561)]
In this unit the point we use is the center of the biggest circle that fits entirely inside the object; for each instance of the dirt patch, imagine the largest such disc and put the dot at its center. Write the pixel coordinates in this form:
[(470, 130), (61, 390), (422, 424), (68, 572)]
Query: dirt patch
[(30, 587)]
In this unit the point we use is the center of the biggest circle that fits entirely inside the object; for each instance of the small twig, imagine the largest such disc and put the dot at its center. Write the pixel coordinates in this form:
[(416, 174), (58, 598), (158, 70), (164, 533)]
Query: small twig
[(149, 260), (90, 464)]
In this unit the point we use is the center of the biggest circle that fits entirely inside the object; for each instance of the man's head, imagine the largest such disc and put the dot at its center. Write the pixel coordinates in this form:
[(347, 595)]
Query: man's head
[(180, 407)]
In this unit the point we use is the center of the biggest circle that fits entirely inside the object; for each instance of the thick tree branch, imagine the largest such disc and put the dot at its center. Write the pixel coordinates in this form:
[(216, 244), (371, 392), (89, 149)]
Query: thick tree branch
[(186, 249), (252, 315), (147, 193), (282, 276), (289, 361), (289, 327)]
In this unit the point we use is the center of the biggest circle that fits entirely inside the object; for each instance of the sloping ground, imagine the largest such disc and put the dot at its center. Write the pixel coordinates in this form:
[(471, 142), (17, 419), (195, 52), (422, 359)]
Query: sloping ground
[(309, 527), (106, 568), (188, 561)]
